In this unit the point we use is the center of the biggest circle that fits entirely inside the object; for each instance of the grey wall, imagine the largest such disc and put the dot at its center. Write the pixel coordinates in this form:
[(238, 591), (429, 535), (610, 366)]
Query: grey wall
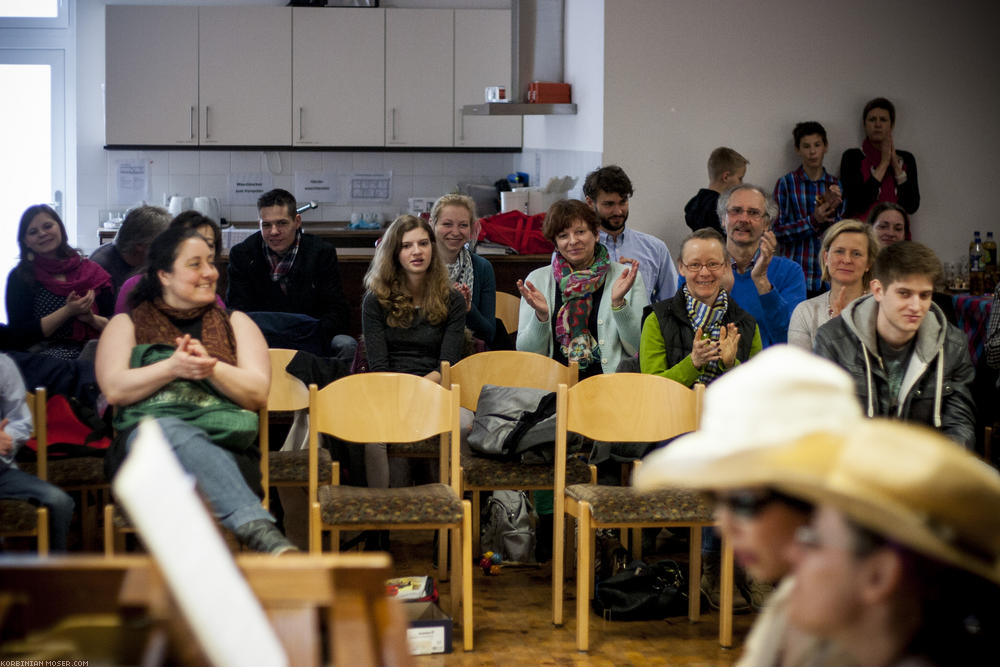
[(682, 77)]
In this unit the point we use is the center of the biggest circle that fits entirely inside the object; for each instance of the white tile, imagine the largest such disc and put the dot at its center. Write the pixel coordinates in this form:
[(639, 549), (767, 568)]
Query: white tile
[(284, 181), (243, 214), (367, 162), (329, 213), (184, 184), (429, 186), (214, 162), (401, 164), (339, 162), (491, 165), (241, 162), (160, 159), (462, 164), (214, 185), (307, 161), (402, 189), (278, 162), (183, 162), (428, 164)]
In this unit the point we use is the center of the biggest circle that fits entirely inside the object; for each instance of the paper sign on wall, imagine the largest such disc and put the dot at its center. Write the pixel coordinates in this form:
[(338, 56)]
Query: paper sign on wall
[(371, 186), (131, 182), (320, 186), (244, 189)]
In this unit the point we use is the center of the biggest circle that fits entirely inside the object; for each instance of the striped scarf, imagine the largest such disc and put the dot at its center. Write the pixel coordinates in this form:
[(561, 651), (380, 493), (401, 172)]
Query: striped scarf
[(282, 264), (709, 319)]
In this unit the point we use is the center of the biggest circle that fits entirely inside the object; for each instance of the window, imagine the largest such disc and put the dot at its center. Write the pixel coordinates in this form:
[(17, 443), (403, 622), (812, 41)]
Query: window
[(33, 14)]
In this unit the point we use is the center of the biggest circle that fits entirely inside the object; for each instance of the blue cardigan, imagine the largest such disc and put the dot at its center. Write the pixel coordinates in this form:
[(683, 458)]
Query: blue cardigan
[(482, 317)]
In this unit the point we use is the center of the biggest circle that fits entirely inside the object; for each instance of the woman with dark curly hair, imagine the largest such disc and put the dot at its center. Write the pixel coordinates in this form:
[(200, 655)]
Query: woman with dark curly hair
[(56, 299)]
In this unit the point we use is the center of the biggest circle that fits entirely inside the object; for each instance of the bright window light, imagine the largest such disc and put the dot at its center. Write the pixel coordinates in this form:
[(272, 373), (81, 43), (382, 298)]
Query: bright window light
[(46, 9)]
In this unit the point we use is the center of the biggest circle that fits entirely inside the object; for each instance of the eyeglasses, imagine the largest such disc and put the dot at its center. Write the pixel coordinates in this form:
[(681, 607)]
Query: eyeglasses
[(745, 504), (752, 213), (695, 267)]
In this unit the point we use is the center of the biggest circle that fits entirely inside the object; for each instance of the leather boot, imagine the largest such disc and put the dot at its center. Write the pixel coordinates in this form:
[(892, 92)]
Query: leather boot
[(263, 536)]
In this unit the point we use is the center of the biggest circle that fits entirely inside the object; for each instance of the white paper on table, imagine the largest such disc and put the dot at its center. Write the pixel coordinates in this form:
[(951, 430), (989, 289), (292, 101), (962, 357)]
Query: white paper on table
[(216, 600)]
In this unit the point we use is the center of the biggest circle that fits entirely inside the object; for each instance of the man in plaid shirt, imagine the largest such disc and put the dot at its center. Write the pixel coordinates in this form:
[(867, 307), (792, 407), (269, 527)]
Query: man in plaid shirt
[(809, 201)]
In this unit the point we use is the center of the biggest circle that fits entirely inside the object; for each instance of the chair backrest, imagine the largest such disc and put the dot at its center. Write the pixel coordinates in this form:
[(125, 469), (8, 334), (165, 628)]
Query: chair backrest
[(287, 392), (507, 308), (506, 368), (385, 407), (40, 428)]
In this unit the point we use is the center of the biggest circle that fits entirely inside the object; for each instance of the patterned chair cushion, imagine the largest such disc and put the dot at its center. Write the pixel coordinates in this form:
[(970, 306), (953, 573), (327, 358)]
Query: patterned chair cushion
[(72, 472), (619, 505), (293, 467), (17, 515), (483, 473), (429, 503)]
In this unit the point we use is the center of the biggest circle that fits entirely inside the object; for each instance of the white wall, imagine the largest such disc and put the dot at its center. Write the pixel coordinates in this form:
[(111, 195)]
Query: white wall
[(684, 77)]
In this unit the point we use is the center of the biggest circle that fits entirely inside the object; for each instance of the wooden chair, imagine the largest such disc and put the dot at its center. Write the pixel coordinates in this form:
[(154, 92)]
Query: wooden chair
[(511, 369), (507, 309), (631, 407), (19, 518), (344, 592), (394, 407)]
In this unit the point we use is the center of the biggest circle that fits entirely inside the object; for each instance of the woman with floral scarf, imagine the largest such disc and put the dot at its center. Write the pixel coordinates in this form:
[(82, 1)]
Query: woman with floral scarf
[(581, 307), (700, 332), (55, 298)]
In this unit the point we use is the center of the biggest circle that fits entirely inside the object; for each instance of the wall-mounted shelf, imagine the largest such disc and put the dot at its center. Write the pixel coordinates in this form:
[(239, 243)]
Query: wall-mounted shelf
[(518, 109)]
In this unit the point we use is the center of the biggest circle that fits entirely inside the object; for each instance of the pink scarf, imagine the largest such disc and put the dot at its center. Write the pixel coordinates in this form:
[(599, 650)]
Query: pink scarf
[(872, 159), (81, 275)]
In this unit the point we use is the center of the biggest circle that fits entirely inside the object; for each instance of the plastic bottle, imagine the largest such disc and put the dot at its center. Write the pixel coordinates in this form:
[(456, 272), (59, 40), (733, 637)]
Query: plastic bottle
[(976, 265), (990, 263)]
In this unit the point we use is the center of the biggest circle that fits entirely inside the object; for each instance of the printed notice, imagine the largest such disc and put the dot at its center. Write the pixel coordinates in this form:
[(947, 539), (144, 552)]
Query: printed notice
[(371, 187), (244, 189), (131, 183), (318, 186)]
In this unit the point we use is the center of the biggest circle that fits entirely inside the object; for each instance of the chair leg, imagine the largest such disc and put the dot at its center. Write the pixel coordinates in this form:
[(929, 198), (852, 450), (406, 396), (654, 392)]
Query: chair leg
[(42, 526), (466, 573), (635, 536), (456, 570), (726, 590), (316, 532), (558, 554), (442, 555), (694, 575), (476, 507), (584, 576), (109, 530), (557, 597)]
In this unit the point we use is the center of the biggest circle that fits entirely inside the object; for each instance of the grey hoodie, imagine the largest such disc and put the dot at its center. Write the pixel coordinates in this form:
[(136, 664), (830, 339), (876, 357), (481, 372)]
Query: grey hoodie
[(936, 388)]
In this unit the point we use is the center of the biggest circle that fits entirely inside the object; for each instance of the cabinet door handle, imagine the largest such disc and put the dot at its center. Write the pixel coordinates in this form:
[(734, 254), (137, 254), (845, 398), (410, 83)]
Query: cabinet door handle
[(461, 120), (394, 123), (300, 123), (207, 126), (194, 115)]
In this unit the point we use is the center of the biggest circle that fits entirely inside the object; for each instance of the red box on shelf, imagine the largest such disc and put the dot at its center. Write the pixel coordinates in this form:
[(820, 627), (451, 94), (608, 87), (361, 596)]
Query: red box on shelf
[(549, 92)]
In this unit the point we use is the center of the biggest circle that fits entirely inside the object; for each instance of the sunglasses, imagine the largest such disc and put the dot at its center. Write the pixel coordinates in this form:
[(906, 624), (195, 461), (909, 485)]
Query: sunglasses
[(749, 504)]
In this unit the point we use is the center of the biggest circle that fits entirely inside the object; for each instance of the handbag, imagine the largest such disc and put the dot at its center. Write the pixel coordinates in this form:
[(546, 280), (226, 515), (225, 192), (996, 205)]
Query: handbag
[(517, 230), (642, 592)]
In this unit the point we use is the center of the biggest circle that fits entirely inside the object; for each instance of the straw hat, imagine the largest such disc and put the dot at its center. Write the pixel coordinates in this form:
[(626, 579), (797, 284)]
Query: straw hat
[(777, 397), (913, 485)]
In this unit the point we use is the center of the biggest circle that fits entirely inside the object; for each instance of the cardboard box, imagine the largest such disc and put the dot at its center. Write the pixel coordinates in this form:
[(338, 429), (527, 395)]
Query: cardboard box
[(549, 92), (430, 628)]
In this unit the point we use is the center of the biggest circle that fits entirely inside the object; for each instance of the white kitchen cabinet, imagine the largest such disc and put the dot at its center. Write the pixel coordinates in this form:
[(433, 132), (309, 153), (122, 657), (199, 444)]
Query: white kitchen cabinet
[(245, 75), (419, 83), (338, 76), (482, 58), (151, 84)]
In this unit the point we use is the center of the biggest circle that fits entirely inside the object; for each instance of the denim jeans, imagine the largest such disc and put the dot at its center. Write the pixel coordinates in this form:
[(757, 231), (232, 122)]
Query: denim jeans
[(218, 478), (343, 347), (20, 485)]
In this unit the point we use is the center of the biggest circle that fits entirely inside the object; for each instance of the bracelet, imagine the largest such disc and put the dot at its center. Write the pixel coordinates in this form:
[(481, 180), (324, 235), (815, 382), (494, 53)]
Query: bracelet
[(621, 307)]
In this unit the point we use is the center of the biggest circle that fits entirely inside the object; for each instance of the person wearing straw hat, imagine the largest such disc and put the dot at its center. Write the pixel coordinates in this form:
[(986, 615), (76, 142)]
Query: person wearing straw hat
[(901, 562), (778, 396)]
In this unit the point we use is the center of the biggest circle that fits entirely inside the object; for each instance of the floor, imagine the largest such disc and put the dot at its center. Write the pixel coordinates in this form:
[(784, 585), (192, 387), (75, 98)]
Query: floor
[(513, 622)]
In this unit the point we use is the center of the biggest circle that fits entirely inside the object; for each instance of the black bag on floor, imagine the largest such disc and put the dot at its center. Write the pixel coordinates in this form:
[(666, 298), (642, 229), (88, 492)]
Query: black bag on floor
[(643, 592)]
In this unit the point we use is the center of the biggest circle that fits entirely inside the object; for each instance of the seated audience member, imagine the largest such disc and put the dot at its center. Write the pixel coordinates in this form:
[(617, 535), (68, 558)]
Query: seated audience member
[(281, 269), (752, 417), (55, 298), (209, 231), (15, 428), (878, 172), (453, 219), (608, 190), (700, 332), (765, 286), (809, 201), (993, 332), (848, 252), (201, 373), (891, 223), (127, 253), (412, 318), (907, 361), (582, 307), (899, 563), (726, 169)]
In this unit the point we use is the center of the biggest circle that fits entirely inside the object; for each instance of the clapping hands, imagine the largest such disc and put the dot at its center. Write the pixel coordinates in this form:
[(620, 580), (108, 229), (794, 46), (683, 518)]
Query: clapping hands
[(191, 360)]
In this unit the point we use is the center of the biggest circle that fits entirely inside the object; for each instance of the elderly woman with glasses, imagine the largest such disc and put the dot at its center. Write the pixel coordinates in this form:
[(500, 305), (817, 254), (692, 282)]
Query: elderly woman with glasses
[(700, 332)]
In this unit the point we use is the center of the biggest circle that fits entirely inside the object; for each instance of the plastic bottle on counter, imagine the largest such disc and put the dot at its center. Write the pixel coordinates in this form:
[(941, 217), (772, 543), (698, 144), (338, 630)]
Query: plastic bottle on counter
[(976, 265)]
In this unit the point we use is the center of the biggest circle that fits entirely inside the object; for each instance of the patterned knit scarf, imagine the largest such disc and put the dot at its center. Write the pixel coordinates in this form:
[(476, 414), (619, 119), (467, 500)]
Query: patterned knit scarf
[(460, 271), (577, 289), (282, 264), (709, 319), (153, 325)]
